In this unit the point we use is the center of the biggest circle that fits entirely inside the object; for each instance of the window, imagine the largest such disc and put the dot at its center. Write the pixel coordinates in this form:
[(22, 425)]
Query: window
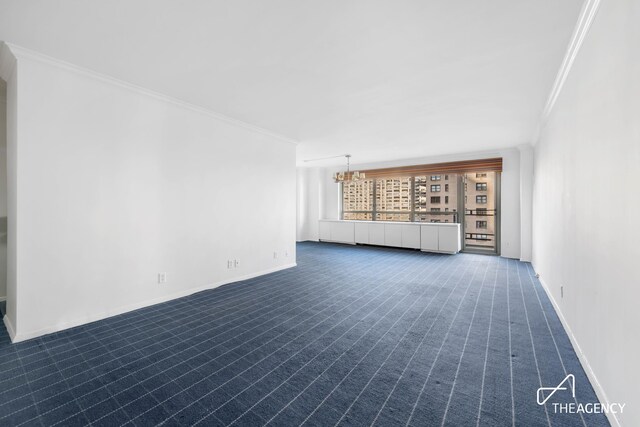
[(481, 224), (481, 186), (481, 175), (446, 177), (435, 177), (357, 200), (446, 187), (481, 211), (481, 199), (435, 220), (399, 199), (393, 199)]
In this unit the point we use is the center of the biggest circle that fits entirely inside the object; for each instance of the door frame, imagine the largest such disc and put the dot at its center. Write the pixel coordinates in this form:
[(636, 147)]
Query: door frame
[(463, 216)]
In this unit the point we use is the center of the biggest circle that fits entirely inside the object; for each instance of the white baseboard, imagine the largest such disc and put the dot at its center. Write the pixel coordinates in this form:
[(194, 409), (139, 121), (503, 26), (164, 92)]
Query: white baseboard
[(10, 329), (581, 356), (336, 241), (23, 336)]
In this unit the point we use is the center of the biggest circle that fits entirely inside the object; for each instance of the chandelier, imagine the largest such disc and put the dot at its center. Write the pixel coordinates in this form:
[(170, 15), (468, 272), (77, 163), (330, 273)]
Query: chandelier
[(348, 175)]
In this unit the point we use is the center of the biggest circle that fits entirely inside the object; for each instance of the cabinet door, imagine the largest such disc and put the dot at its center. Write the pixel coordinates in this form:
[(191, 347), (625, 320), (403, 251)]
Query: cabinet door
[(342, 232), (448, 239), (325, 230), (393, 235), (362, 232), (429, 237), (376, 234), (411, 236)]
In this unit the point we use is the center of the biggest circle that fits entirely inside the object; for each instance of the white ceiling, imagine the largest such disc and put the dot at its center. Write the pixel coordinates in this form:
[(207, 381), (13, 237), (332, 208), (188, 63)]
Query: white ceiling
[(381, 80)]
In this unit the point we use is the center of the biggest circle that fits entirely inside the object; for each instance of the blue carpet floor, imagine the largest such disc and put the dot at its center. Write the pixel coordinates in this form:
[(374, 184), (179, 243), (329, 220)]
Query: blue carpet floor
[(352, 336)]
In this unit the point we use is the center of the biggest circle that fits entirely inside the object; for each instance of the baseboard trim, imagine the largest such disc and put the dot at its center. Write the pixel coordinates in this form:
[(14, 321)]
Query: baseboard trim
[(581, 356), (336, 241), (15, 338), (10, 329)]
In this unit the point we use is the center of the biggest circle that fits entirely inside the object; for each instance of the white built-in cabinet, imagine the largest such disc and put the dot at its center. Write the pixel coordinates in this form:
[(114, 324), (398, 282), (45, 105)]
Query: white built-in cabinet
[(430, 237)]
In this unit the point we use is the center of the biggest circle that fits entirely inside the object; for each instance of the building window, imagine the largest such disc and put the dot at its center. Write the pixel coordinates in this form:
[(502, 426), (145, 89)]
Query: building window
[(475, 236), (481, 175), (446, 177), (446, 187), (393, 199), (400, 199), (481, 211), (481, 186), (481, 224), (435, 220), (357, 200), (481, 199)]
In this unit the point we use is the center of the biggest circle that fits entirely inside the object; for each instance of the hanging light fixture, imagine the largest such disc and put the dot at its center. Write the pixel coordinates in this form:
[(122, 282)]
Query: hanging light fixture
[(348, 175)]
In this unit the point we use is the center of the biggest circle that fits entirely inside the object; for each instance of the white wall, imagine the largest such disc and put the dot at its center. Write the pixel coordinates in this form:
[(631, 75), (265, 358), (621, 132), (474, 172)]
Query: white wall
[(586, 229), (3, 190), (526, 201), (309, 207), (8, 72), (116, 184), (510, 197)]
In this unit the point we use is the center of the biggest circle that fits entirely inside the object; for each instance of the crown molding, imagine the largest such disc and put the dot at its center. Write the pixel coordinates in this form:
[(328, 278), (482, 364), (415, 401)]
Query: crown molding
[(587, 14), (20, 52)]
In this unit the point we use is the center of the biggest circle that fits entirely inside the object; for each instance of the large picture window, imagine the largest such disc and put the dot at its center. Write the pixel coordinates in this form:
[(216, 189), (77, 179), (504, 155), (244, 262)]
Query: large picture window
[(465, 192), (400, 199)]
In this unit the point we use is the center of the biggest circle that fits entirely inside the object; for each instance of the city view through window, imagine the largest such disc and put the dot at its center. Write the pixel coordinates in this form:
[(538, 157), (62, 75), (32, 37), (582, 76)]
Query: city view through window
[(467, 198)]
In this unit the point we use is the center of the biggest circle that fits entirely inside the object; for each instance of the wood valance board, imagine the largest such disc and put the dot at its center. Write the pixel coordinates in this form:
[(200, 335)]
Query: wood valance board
[(482, 165)]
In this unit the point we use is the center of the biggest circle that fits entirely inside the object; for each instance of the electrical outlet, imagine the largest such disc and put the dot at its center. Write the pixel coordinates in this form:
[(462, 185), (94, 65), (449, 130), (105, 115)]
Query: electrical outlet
[(236, 263), (275, 255), (561, 291), (162, 278), (229, 264)]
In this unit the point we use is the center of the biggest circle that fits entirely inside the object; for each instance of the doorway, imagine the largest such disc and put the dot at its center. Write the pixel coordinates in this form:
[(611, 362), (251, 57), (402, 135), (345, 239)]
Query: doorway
[(480, 213)]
